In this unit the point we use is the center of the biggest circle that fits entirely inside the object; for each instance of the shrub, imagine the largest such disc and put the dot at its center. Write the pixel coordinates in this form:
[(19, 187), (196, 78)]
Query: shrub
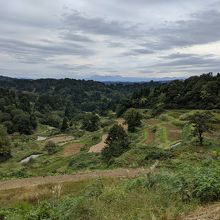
[(85, 160), (157, 154), (44, 211), (51, 147), (5, 151), (90, 122), (94, 190), (206, 185)]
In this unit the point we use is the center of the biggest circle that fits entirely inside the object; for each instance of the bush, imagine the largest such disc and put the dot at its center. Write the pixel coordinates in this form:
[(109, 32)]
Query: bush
[(91, 122), (44, 211), (206, 185), (5, 151), (157, 154), (51, 147), (85, 160), (94, 190)]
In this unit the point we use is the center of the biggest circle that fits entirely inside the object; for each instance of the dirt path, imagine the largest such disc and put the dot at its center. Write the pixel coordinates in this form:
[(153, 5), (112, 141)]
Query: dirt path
[(35, 181), (98, 147), (211, 212), (174, 133)]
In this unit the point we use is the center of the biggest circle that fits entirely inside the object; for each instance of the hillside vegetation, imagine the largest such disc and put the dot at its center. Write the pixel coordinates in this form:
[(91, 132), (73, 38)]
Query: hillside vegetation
[(168, 134)]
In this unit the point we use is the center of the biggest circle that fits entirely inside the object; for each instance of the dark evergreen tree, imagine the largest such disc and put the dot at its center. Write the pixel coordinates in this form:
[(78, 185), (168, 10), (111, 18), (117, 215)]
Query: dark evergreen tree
[(64, 125), (117, 143), (133, 119), (5, 151)]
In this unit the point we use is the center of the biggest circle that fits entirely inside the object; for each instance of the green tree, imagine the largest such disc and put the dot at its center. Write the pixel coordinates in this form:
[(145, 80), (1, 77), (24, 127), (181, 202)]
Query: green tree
[(157, 109), (69, 110), (5, 151), (22, 123), (117, 143), (65, 124), (91, 122), (201, 123), (133, 119)]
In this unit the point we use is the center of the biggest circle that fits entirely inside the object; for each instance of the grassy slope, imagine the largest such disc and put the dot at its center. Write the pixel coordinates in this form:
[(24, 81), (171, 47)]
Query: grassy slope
[(148, 197)]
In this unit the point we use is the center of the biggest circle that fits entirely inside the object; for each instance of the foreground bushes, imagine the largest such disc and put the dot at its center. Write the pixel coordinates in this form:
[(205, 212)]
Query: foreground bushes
[(202, 185), (162, 195)]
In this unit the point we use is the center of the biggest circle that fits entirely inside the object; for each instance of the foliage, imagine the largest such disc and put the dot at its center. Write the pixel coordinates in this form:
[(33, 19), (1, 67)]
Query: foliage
[(90, 122), (117, 143), (65, 124), (201, 123), (196, 92), (5, 151), (157, 109), (157, 154), (206, 185), (53, 119), (133, 119), (51, 147), (85, 161)]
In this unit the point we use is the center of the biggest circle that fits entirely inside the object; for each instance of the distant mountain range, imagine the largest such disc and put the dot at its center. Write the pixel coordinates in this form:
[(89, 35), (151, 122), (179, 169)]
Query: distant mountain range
[(112, 79), (130, 79)]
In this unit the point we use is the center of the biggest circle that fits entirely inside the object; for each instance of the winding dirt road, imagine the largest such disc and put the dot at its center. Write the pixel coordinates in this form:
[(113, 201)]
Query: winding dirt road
[(35, 181), (98, 147)]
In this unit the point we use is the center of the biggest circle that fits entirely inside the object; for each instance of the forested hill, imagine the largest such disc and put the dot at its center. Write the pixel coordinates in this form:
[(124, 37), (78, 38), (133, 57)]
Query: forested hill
[(196, 92), (23, 102)]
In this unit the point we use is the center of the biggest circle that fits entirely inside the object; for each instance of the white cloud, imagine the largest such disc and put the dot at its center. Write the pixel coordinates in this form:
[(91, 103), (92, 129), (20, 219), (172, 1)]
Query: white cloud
[(118, 37)]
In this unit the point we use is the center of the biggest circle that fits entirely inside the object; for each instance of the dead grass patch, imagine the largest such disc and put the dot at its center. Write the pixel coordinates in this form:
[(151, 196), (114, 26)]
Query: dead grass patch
[(174, 133), (72, 149)]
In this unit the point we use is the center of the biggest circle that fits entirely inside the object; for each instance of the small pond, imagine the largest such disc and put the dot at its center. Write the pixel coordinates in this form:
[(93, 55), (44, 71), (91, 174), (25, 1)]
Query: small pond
[(27, 159), (40, 138)]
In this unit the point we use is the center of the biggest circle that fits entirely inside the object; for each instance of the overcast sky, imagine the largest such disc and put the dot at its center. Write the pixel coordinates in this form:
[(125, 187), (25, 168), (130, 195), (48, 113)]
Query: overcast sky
[(80, 38)]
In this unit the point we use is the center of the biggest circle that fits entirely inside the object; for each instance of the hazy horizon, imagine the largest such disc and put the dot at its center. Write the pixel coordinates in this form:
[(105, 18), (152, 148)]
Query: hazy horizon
[(82, 39)]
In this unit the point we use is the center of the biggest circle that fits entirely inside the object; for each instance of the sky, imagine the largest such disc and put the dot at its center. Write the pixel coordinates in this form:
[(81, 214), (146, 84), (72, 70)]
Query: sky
[(130, 38)]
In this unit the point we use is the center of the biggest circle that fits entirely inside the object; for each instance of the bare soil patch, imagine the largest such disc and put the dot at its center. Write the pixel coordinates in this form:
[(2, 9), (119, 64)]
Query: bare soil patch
[(123, 123), (174, 133), (150, 137), (71, 149)]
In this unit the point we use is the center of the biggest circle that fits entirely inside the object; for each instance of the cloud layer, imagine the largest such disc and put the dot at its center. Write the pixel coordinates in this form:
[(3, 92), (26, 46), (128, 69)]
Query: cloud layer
[(78, 39)]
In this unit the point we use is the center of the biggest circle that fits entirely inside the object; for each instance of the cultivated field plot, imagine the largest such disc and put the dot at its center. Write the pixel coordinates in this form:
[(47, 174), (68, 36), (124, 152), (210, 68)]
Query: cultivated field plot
[(61, 139), (72, 149), (171, 128)]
